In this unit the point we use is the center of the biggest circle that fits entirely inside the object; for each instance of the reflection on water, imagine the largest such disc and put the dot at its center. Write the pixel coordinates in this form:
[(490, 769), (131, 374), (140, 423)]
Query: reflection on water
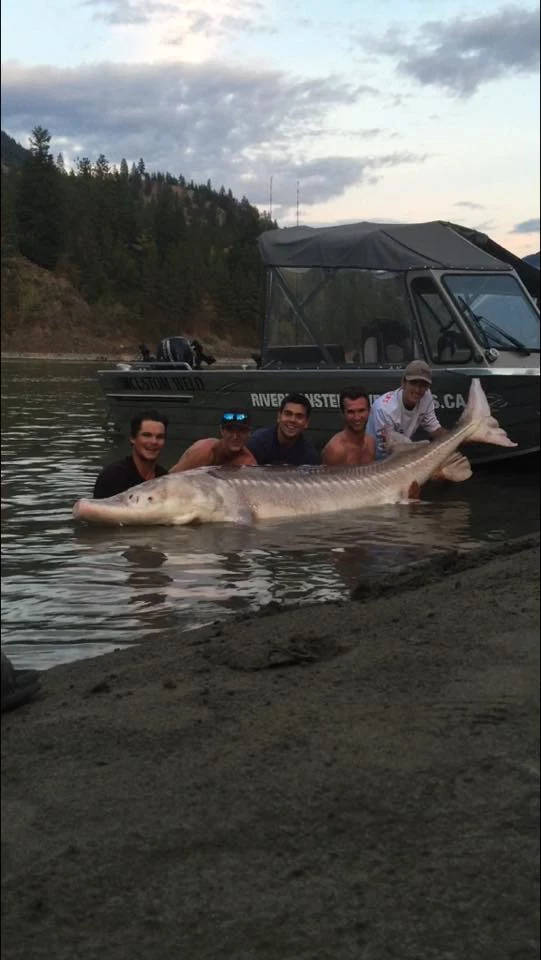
[(71, 592)]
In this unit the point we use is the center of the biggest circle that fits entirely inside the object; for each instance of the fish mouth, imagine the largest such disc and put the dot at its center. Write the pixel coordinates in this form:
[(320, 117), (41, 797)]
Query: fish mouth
[(88, 511)]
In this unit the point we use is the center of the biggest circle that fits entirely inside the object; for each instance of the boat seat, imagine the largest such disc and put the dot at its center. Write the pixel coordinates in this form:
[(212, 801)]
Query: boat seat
[(377, 351), (371, 350)]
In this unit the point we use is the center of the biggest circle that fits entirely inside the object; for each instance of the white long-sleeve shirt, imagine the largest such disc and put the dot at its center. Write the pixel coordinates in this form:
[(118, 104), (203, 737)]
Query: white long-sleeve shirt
[(389, 412)]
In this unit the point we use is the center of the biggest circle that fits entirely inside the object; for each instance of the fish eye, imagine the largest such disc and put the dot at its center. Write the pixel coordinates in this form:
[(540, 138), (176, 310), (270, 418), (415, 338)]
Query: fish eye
[(150, 498)]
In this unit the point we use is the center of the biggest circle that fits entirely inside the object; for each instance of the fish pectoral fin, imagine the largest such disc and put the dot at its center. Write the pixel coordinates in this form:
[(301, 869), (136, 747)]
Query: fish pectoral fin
[(243, 516), (413, 492), (457, 468)]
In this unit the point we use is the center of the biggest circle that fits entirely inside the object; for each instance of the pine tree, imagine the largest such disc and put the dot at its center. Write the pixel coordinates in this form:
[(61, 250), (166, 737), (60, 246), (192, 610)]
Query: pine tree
[(84, 167), (39, 203), (101, 167)]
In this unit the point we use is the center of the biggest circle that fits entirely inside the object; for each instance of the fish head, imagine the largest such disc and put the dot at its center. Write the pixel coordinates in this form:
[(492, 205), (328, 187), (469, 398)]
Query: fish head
[(179, 498)]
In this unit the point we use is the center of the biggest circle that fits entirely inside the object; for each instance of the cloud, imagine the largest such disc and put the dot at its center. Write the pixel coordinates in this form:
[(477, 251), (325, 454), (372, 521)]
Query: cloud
[(173, 23), (212, 26), (130, 12), (234, 126), (314, 177), (469, 204), (461, 55), (527, 226)]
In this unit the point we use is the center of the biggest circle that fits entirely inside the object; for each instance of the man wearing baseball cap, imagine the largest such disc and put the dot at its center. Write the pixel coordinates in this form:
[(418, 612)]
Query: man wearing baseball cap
[(407, 409), (230, 449)]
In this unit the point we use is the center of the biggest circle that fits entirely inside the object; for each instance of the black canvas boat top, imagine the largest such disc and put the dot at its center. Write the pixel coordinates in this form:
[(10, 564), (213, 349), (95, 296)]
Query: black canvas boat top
[(392, 246)]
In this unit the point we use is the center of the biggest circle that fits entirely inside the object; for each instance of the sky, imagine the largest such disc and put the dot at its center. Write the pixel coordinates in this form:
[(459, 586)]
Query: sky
[(388, 110)]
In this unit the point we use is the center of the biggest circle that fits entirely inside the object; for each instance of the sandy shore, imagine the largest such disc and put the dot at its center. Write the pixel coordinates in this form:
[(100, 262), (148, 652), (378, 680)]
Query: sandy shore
[(354, 780)]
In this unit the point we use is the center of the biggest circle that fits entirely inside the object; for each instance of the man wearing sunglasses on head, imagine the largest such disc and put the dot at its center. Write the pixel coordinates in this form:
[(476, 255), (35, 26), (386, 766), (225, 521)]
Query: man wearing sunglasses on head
[(229, 450)]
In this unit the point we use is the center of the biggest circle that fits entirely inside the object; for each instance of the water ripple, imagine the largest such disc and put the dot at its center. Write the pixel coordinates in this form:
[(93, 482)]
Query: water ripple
[(69, 592)]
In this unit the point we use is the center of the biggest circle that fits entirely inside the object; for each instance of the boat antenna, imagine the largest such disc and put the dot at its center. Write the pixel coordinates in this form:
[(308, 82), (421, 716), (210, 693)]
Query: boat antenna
[(270, 199), (297, 203)]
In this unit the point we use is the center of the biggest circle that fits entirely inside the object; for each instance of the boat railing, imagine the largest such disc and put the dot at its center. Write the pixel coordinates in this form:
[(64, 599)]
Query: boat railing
[(155, 365)]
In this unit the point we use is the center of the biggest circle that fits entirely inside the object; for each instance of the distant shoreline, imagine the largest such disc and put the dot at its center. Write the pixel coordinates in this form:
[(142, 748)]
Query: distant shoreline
[(73, 357), (237, 360)]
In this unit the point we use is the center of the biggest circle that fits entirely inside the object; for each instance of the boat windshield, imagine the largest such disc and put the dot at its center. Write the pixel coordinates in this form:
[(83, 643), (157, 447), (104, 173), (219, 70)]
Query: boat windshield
[(496, 308), (360, 316)]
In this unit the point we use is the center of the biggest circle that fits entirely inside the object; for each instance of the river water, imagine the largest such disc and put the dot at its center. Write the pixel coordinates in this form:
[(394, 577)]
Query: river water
[(70, 592)]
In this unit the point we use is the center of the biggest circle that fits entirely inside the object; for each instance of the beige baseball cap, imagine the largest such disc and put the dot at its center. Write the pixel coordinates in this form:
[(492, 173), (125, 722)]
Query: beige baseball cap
[(418, 370)]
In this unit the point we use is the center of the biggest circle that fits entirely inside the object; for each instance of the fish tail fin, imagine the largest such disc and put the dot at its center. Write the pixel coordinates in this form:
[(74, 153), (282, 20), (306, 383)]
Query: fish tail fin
[(457, 468), (485, 428)]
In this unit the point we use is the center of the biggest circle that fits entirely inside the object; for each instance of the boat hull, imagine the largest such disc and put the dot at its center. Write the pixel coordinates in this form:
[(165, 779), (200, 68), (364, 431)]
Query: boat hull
[(195, 400)]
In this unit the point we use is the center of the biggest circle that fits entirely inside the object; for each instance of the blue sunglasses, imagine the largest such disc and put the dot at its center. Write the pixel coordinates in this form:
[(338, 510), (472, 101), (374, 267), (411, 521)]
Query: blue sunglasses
[(235, 417)]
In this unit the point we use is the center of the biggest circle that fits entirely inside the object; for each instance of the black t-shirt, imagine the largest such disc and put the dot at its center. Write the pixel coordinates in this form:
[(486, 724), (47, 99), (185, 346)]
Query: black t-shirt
[(266, 448), (120, 476)]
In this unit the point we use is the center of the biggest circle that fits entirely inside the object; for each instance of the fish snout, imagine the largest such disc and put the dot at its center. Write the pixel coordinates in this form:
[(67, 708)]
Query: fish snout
[(79, 509)]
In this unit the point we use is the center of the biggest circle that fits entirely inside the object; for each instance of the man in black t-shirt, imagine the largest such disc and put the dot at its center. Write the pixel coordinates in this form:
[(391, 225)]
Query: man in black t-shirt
[(148, 432), (285, 444)]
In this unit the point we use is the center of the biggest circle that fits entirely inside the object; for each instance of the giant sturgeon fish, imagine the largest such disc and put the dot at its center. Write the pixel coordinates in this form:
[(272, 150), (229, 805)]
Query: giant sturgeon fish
[(249, 494)]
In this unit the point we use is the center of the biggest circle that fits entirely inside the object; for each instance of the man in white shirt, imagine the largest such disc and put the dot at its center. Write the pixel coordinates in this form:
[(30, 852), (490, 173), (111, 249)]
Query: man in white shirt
[(407, 409)]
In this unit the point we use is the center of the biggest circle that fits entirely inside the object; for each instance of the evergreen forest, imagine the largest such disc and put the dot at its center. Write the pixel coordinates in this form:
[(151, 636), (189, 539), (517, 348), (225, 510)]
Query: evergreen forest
[(150, 253)]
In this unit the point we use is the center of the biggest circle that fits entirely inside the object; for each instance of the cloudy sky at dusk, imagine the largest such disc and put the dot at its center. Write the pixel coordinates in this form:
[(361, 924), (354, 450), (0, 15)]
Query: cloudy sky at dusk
[(405, 110)]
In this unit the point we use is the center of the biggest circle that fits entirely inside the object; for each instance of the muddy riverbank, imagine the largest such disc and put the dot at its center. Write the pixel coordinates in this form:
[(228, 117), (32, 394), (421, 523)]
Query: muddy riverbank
[(351, 780)]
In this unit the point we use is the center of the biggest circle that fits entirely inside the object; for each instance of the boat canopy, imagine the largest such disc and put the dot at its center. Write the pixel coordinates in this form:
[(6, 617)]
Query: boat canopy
[(390, 292), (387, 246)]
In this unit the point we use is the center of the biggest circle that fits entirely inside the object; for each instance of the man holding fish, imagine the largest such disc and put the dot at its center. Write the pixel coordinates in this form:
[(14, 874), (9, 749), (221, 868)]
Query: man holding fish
[(405, 410), (255, 494)]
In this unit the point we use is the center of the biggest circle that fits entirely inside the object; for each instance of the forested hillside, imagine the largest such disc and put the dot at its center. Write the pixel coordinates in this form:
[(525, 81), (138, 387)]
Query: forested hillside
[(101, 253), (11, 152)]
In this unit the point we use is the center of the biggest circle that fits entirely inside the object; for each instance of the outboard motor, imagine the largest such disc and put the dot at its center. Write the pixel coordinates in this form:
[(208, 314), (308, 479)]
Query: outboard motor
[(175, 350), (199, 355)]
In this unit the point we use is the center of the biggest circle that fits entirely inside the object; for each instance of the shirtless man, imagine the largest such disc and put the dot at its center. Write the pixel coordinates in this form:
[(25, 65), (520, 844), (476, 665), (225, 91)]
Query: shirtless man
[(351, 446), (230, 449)]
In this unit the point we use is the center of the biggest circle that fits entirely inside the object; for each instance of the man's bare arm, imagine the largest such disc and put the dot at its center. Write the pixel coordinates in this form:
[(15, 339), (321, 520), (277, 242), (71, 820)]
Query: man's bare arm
[(198, 455), (370, 447), (332, 454)]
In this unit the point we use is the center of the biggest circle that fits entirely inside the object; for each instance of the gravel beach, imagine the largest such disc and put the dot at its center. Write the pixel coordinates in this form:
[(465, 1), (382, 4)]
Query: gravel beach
[(351, 780)]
